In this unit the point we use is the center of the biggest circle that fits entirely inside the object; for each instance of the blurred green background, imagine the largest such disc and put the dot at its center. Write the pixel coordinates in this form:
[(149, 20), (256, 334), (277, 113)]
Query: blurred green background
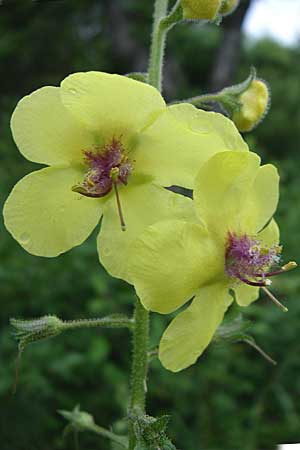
[(232, 398)]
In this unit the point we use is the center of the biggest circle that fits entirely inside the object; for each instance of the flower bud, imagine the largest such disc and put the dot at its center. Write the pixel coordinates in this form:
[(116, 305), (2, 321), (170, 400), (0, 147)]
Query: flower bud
[(80, 420), (201, 9), (254, 104), (228, 7), (28, 331)]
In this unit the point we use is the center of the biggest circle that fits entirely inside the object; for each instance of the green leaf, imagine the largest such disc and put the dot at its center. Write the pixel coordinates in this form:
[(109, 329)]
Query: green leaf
[(233, 330), (150, 433)]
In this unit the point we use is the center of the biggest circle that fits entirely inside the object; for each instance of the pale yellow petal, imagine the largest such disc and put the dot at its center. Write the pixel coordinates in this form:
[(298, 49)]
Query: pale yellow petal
[(222, 188), (191, 331), (262, 200), (142, 206), (270, 235), (170, 261), (45, 132), (112, 105), (245, 294), (45, 216), (180, 140)]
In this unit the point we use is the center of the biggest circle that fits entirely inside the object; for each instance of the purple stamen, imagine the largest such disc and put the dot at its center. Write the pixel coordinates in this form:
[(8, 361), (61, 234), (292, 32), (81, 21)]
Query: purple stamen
[(106, 167), (253, 283), (248, 261)]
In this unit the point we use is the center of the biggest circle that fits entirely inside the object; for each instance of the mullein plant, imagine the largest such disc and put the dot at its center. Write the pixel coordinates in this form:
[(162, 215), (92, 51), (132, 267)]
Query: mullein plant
[(112, 148)]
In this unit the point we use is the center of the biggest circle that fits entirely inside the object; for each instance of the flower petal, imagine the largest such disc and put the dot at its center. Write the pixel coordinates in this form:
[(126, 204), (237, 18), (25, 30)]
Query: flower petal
[(142, 205), (45, 216), (222, 187), (111, 104), (245, 294), (173, 148), (44, 130), (270, 234), (191, 331), (170, 261), (262, 199)]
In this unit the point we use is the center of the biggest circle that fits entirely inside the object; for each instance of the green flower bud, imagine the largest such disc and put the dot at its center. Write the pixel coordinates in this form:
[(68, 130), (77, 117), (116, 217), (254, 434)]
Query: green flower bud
[(29, 331), (228, 7), (201, 9), (80, 420), (254, 104)]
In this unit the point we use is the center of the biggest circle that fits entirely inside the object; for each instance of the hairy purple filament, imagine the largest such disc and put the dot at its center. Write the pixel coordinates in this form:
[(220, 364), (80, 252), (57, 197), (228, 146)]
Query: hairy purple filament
[(248, 261), (107, 168)]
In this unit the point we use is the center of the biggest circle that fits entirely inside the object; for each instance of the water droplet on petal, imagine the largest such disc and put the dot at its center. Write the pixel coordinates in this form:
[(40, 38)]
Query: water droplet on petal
[(72, 91), (24, 238), (106, 251)]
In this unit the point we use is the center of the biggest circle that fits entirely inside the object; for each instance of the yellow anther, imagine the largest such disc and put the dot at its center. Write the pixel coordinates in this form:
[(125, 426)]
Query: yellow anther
[(89, 177), (114, 173), (289, 266)]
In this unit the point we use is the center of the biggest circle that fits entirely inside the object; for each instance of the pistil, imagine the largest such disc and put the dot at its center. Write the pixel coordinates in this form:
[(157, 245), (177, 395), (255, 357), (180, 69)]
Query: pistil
[(122, 222)]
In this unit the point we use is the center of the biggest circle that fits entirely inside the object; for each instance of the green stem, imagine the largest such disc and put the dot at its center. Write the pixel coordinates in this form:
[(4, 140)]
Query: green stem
[(139, 366), (200, 100), (104, 322), (162, 24), (109, 435), (157, 45)]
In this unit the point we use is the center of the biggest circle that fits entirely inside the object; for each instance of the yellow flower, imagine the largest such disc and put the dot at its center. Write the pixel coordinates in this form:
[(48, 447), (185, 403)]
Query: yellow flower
[(111, 144), (232, 245), (200, 9), (254, 106)]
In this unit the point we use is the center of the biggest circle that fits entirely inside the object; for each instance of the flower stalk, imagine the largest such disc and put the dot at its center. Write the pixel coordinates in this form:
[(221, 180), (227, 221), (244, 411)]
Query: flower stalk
[(139, 367), (29, 331), (162, 24), (83, 421)]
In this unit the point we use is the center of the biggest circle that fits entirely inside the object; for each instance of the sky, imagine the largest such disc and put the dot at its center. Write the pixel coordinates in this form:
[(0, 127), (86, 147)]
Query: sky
[(279, 19)]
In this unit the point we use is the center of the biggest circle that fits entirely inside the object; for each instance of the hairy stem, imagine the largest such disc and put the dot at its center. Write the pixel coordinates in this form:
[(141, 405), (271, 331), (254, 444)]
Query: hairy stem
[(200, 100), (162, 24), (139, 366), (109, 435), (105, 322), (157, 45)]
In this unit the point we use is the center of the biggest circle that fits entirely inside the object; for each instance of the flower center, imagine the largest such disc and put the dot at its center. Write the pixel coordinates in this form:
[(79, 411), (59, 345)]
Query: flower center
[(108, 167), (248, 261)]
